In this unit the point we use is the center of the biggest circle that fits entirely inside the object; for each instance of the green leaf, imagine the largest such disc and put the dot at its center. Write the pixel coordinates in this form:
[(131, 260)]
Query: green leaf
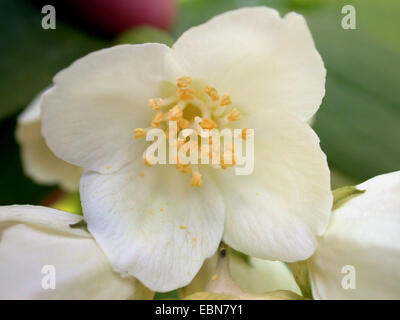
[(344, 194), (79, 225), (15, 187), (302, 277), (339, 180), (171, 295), (70, 203), (31, 55), (144, 35)]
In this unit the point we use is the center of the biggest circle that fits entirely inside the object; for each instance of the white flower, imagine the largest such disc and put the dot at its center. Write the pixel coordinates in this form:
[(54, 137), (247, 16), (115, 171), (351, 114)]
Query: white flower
[(359, 256), (148, 220), (34, 238), (229, 275), (255, 276), (39, 162)]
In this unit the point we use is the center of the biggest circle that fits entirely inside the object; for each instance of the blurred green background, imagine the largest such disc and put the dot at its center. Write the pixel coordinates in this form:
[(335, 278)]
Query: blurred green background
[(358, 123)]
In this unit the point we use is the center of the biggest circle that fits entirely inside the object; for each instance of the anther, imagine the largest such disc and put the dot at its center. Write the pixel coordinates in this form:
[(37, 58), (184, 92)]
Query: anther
[(185, 94), (183, 82), (158, 118), (234, 115), (183, 123), (139, 133), (184, 168), (175, 113), (208, 124), (226, 100), (212, 93), (196, 179), (149, 161), (156, 103)]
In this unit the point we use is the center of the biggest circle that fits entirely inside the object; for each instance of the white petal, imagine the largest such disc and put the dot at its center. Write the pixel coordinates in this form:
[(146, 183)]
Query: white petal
[(276, 212), (153, 225), (97, 102), (261, 276), (364, 233), (39, 162), (202, 278), (263, 61), (254, 276), (33, 237)]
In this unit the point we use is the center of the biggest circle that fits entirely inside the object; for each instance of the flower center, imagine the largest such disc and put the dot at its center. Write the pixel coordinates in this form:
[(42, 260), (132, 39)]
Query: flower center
[(199, 110)]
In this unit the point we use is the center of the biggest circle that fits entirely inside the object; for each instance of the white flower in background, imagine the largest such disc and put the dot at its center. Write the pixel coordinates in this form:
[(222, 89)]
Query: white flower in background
[(39, 162), (34, 237), (364, 234), (252, 276), (247, 68), (231, 277)]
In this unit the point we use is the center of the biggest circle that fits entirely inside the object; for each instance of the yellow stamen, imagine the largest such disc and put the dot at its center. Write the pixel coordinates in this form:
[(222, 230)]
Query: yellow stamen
[(208, 124), (175, 113), (182, 227), (183, 82), (214, 277), (234, 115), (184, 168), (226, 100), (213, 94), (149, 162), (209, 112), (156, 103), (186, 94), (183, 123), (158, 118), (139, 133), (196, 180)]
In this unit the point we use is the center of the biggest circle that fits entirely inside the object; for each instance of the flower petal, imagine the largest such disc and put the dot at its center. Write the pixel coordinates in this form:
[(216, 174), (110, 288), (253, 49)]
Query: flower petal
[(89, 117), (261, 276), (363, 234), (34, 237), (254, 276), (152, 224), (38, 161), (276, 212), (262, 60)]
